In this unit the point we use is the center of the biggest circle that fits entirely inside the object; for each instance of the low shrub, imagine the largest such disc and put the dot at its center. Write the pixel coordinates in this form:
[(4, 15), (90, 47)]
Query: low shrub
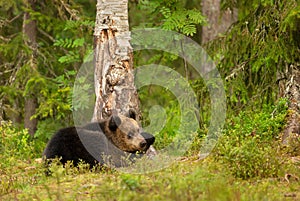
[(250, 146)]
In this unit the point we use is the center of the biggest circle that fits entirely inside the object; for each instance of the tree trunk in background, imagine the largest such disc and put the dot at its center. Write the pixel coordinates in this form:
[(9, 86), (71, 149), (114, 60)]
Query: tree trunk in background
[(114, 80), (218, 21), (292, 93), (30, 31)]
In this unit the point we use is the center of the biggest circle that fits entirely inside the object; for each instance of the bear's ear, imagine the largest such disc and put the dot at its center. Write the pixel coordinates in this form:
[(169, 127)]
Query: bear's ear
[(132, 114), (114, 122)]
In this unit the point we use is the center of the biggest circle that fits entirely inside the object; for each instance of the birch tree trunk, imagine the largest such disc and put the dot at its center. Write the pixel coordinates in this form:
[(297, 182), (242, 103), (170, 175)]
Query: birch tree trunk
[(113, 59), (30, 32)]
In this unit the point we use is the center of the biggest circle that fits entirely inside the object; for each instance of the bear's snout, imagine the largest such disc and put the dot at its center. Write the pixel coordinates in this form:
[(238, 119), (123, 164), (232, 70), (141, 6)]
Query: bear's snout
[(148, 137)]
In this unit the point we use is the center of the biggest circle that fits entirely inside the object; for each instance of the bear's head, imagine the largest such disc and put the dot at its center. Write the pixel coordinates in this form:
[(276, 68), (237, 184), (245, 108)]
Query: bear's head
[(127, 135)]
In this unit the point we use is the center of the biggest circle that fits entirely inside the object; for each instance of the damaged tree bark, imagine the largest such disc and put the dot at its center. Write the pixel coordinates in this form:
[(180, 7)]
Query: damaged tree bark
[(113, 60), (292, 92), (114, 80)]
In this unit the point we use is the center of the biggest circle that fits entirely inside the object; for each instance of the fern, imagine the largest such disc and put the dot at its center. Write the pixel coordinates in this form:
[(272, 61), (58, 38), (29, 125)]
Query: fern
[(182, 20), (69, 43), (71, 24), (166, 12), (195, 16), (78, 42), (189, 29), (71, 57), (174, 16)]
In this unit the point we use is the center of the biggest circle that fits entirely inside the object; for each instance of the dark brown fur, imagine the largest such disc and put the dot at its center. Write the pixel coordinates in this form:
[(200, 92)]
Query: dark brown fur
[(115, 138)]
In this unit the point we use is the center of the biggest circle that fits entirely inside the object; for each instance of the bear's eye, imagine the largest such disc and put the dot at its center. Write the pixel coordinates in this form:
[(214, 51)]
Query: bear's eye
[(130, 135)]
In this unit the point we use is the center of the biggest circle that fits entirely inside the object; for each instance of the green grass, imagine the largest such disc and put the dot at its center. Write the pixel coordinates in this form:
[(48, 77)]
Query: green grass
[(248, 163), (184, 180)]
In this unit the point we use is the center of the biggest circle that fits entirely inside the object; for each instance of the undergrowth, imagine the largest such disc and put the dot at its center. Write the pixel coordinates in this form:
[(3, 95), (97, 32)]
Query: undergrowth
[(248, 163), (251, 145)]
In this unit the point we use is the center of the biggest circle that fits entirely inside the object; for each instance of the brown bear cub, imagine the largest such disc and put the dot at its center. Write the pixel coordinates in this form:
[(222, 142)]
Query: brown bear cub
[(116, 142)]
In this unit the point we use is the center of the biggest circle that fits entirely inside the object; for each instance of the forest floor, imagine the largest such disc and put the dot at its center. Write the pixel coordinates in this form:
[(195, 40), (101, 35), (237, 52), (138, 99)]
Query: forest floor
[(189, 179), (249, 162)]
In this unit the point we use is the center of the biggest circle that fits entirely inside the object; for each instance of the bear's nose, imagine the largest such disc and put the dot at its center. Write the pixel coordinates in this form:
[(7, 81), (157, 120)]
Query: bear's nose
[(148, 137), (143, 144)]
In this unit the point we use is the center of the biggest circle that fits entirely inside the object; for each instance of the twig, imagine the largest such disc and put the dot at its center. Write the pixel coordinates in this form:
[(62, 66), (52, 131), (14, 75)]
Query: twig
[(46, 34)]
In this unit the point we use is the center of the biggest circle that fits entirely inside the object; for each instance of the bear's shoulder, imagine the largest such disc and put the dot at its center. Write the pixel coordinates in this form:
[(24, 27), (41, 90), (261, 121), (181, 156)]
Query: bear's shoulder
[(95, 126)]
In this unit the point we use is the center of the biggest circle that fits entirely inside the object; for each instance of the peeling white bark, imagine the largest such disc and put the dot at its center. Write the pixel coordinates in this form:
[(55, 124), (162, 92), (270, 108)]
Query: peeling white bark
[(114, 80)]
